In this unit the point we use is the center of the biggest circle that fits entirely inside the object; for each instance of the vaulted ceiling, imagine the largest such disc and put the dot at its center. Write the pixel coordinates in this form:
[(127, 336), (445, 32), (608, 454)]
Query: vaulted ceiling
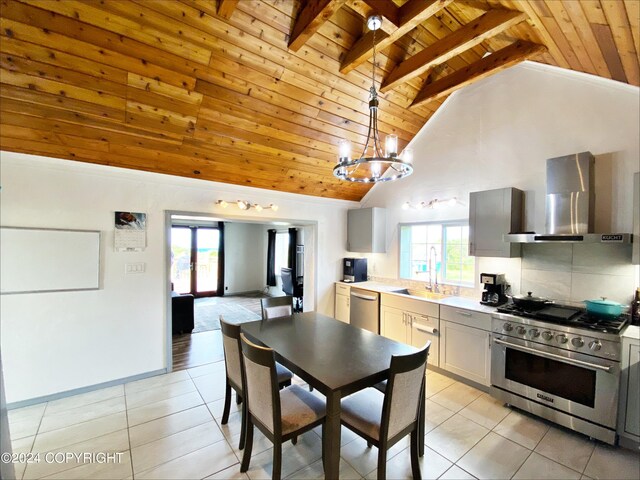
[(259, 93)]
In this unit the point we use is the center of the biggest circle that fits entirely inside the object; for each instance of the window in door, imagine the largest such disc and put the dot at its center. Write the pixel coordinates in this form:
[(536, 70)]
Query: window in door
[(196, 260), (282, 251)]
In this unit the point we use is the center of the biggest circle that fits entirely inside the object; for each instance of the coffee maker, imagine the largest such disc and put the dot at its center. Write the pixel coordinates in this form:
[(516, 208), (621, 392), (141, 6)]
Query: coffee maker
[(494, 289)]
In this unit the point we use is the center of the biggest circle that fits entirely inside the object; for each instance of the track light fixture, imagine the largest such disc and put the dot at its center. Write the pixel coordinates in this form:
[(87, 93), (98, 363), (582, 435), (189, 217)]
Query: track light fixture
[(246, 205)]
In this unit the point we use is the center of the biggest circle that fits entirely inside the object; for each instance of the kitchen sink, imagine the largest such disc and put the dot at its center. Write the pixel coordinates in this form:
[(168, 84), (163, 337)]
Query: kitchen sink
[(415, 292)]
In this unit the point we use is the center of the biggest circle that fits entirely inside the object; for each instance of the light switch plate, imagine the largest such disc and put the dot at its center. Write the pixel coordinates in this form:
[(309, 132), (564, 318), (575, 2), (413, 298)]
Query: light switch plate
[(132, 268)]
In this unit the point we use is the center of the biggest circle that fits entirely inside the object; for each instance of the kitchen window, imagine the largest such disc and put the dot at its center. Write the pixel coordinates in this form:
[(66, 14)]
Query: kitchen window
[(430, 251)]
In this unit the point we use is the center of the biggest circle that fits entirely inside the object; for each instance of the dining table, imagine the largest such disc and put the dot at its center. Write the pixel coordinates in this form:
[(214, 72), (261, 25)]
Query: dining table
[(333, 357)]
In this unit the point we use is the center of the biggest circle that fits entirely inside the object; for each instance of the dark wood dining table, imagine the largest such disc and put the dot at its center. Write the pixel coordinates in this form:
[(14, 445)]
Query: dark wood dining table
[(334, 357)]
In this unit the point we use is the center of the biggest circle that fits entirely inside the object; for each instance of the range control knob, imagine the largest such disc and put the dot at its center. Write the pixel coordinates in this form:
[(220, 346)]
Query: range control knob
[(595, 345), (577, 342), (534, 333), (507, 327), (547, 335), (562, 338), (521, 330)]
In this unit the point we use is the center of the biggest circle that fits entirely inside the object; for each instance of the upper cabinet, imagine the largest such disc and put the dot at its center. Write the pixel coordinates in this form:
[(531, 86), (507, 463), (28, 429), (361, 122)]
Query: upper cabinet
[(367, 230), (492, 214), (636, 218)]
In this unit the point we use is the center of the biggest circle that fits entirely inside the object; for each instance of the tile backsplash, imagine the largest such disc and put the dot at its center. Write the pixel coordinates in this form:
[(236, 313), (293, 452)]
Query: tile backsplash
[(577, 272)]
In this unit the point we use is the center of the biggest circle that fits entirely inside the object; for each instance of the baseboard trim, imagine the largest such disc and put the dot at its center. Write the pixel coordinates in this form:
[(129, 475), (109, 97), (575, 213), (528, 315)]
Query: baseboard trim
[(77, 391)]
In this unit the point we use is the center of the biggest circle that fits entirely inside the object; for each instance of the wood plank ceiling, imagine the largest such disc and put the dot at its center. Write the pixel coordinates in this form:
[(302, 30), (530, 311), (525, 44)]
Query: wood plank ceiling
[(259, 93)]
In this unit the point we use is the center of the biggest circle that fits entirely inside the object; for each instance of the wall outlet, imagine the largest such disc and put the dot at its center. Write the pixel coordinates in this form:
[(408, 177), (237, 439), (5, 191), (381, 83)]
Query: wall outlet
[(132, 268)]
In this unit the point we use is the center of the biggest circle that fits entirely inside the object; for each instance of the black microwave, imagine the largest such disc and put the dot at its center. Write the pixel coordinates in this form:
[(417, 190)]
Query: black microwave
[(354, 270)]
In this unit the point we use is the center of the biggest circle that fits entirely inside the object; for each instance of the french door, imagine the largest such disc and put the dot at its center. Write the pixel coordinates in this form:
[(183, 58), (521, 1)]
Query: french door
[(197, 260)]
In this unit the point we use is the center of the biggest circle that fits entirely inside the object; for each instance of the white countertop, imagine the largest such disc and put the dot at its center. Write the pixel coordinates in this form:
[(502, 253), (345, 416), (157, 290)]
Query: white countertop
[(632, 332), (458, 302)]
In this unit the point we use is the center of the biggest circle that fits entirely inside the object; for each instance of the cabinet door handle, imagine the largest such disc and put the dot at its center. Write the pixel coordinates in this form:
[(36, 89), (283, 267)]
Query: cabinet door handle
[(464, 314)]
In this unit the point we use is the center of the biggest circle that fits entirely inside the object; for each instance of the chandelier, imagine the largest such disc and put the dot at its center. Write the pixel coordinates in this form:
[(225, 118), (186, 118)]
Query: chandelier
[(246, 205), (373, 165)]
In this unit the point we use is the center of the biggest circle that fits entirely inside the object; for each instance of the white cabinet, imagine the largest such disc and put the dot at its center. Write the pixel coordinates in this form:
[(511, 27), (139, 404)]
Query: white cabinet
[(394, 324), (411, 321), (342, 307), (465, 347), (367, 230), (492, 214), (629, 416)]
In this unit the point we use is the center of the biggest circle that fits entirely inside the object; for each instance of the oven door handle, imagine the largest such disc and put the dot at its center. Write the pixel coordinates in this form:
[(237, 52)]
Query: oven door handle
[(553, 356)]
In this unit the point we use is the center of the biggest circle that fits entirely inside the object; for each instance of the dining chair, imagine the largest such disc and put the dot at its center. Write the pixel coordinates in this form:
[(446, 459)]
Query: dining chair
[(234, 373), (273, 307), (281, 415), (383, 419)]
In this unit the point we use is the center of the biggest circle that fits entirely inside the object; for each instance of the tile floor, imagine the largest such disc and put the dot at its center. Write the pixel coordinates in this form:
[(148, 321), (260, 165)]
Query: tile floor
[(169, 427)]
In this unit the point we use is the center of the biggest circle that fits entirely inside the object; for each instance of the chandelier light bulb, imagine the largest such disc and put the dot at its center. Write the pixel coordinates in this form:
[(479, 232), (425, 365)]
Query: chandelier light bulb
[(376, 169), (406, 206), (452, 201), (274, 207), (223, 204), (407, 155), (242, 205), (258, 207), (344, 150), (391, 145)]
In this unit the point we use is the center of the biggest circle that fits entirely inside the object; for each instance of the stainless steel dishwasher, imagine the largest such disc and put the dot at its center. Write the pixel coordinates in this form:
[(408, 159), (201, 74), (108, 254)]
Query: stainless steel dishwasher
[(365, 310)]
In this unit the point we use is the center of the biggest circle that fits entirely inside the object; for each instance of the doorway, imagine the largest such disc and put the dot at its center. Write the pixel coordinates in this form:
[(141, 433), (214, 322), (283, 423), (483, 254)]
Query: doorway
[(197, 260)]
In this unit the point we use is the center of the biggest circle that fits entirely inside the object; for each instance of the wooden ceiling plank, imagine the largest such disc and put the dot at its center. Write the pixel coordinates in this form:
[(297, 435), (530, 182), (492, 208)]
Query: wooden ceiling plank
[(609, 50), (633, 13), (487, 25), (583, 28), (13, 63), (226, 8), (92, 13), (74, 46), (566, 26), (386, 9), (39, 84), (313, 15), (95, 133), (539, 27), (616, 15), (484, 67), (447, 18), (593, 11), (57, 58), (561, 41), (10, 104), (411, 14), (207, 128)]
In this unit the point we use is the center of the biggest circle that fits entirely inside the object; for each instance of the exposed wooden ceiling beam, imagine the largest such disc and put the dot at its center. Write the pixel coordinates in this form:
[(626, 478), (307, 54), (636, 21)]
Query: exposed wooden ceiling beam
[(226, 8), (470, 35), (386, 9), (411, 14), (314, 14), (504, 58)]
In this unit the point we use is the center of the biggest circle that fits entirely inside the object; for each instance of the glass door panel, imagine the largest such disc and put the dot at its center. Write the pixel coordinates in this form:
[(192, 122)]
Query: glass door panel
[(208, 245), (181, 241)]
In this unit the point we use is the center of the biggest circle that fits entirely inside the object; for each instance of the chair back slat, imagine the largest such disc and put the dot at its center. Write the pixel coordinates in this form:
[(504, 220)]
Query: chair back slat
[(231, 346), (404, 391), (273, 307), (261, 384)]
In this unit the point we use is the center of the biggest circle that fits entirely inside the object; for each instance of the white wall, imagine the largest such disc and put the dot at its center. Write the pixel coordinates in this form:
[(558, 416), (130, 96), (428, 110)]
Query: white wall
[(499, 132), (54, 342), (244, 256)]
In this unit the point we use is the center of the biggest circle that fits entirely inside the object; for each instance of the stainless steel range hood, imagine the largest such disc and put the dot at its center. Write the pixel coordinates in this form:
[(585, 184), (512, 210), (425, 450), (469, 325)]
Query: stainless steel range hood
[(570, 203)]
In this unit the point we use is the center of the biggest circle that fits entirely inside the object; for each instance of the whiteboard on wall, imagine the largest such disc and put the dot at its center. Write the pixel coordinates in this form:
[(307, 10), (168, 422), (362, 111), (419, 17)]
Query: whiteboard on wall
[(48, 260)]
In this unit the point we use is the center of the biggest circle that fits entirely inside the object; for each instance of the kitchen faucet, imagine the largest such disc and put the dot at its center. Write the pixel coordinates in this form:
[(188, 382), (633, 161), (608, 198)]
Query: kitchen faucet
[(432, 266)]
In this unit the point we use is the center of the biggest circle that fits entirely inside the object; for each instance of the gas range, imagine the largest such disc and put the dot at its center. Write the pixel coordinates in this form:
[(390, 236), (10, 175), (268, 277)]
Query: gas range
[(570, 316), (565, 327)]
